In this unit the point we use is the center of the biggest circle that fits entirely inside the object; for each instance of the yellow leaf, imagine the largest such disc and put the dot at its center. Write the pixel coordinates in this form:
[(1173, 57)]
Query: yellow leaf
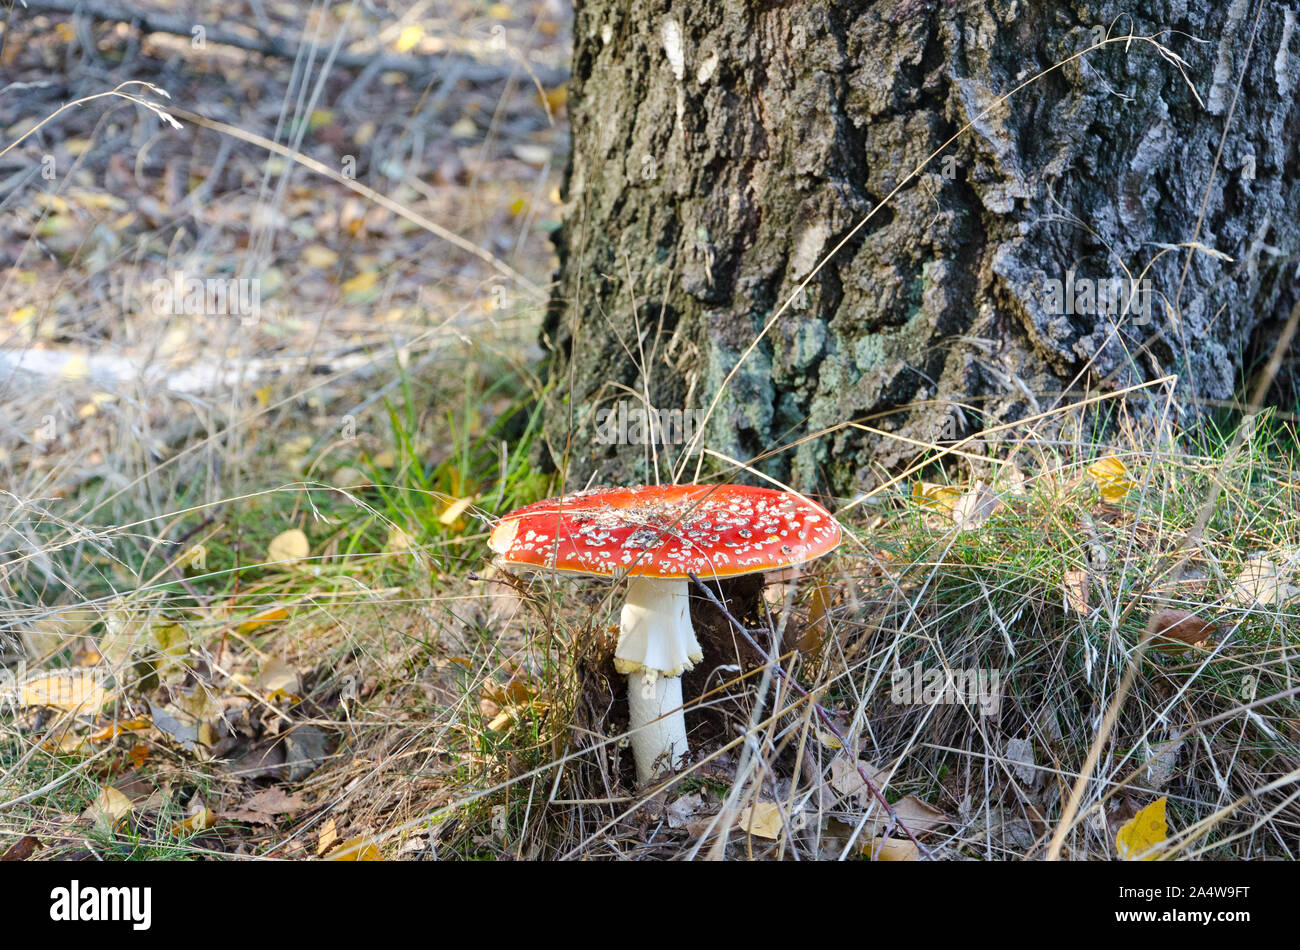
[(408, 38), (198, 819), (271, 615), (76, 367), (1112, 478), (1143, 833), (354, 849), (320, 117), (360, 284), (327, 836), (319, 256), (762, 820), (499, 11), (936, 497), (56, 203), (454, 510), (109, 809), (556, 98), (117, 727), (78, 691), (892, 849), (518, 207), (76, 147), (289, 545), (22, 314)]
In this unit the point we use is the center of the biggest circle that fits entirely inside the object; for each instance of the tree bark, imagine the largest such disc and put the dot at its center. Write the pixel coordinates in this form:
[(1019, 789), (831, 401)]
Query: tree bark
[(721, 149)]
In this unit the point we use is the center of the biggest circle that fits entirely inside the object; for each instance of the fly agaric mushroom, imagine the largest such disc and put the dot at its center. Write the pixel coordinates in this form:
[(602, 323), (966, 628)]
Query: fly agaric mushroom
[(657, 536)]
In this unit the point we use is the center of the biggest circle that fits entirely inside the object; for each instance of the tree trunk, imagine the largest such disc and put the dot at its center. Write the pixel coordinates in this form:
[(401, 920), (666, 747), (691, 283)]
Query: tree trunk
[(722, 149)]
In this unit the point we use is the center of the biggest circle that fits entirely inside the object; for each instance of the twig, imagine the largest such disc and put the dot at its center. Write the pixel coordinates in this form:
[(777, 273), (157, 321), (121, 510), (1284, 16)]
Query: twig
[(822, 714)]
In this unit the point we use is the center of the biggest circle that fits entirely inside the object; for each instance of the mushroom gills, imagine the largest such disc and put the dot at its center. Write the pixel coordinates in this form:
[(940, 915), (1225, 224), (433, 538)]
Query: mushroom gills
[(655, 632)]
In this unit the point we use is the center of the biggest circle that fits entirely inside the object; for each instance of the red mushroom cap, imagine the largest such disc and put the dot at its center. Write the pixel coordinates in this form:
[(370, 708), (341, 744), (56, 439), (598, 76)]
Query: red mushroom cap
[(667, 531)]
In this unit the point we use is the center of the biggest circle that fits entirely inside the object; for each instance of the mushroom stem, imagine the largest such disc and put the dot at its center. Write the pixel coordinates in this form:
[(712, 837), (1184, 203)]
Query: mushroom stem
[(658, 726), (656, 643)]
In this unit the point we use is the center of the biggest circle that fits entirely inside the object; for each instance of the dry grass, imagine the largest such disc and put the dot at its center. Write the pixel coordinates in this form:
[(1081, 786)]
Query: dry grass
[(393, 693)]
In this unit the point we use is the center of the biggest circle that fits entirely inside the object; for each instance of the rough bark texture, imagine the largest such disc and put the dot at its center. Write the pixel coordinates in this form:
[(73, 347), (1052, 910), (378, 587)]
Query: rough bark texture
[(722, 148)]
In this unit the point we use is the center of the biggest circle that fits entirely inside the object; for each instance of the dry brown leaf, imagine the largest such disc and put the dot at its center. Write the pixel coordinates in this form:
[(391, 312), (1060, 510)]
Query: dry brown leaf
[(892, 849), (328, 836), (262, 807), (1076, 591), (918, 816), (1172, 630), (22, 849)]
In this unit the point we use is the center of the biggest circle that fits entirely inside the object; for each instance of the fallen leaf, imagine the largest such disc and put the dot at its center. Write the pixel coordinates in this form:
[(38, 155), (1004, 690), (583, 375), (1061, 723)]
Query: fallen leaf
[(327, 837), (77, 691), (972, 508), (1020, 755), (892, 849), (109, 809), (934, 497), (289, 545), (1261, 582), (1172, 630), (268, 616), (319, 256), (354, 849), (451, 514), (262, 807), (356, 287), (1138, 838), (22, 849), (197, 818), (918, 816), (537, 155), (762, 820), (118, 727), (279, 680), (1076, 591), (1112, 478), (409, 38)]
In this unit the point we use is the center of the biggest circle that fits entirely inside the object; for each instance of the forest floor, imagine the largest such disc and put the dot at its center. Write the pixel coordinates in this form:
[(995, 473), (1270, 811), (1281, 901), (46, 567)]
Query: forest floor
[(246, 604)]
